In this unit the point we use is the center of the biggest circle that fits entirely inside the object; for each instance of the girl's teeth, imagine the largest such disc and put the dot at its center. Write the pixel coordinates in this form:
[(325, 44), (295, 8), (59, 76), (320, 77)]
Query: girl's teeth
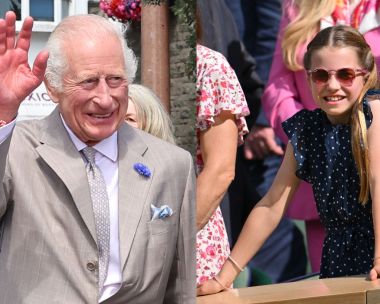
[(333, 98)]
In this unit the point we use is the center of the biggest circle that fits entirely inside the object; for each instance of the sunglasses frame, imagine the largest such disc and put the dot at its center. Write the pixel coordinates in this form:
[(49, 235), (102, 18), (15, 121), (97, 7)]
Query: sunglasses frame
[(357, 72)]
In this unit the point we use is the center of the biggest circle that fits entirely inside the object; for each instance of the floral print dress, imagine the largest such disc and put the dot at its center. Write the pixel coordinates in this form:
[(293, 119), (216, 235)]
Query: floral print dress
[(217, 89)]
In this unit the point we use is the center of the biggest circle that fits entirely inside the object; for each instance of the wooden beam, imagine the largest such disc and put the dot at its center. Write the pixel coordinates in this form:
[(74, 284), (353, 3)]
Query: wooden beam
[(155, 50)]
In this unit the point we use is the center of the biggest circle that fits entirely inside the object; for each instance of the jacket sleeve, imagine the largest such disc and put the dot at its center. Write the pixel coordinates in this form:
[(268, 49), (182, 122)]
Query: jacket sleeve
[(281, 97), (4, 148), (181, 286)]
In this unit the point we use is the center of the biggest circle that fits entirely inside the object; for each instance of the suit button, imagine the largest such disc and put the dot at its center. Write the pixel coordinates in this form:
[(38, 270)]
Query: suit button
[(92, 266)]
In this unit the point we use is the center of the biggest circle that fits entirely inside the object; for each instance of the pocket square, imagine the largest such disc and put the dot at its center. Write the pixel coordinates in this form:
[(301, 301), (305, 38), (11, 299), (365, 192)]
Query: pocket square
[(160, 212)]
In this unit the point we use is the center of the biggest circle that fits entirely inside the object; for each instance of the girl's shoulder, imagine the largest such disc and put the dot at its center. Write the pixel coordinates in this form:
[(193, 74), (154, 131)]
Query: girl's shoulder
[(305, 117), (303, 123)]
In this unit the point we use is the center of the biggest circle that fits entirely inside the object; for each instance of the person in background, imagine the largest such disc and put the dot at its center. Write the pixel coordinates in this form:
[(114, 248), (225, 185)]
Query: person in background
[(220, 126), (287, 91), (283, 256), (92, 210), (145, 112), (334, 148)]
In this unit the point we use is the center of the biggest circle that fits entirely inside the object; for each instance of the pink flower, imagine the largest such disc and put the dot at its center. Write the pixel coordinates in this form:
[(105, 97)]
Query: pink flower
[(210, 251)]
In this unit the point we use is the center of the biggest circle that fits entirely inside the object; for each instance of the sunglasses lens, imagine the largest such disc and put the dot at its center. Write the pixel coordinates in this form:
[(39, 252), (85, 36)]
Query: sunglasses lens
[(345, 76), (320, 76)]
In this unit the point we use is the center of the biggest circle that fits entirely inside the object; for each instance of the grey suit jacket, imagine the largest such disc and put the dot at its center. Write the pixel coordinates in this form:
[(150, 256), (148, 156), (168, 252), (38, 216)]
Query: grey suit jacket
[(48, 236)]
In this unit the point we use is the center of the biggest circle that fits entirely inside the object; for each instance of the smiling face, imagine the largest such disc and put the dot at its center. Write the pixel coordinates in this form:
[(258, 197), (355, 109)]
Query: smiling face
[(93, 101), (334, 98)]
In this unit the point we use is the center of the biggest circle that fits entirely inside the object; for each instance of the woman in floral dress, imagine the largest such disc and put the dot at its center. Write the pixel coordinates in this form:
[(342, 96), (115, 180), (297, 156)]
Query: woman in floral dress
[(220, 125)]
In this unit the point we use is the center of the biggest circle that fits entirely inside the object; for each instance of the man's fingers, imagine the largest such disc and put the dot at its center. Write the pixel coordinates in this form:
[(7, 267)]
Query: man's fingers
[(3, 36), (10, 20), (278, 151), (39, 65), (248, 152), (275, 148), (23, 41)]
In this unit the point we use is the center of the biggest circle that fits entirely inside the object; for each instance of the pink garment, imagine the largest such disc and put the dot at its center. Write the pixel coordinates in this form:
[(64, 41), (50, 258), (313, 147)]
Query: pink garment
[(287, 92), (217, 90)]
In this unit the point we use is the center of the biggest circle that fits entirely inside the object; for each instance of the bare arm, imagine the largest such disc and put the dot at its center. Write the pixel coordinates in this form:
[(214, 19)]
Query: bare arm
[(261, 222), (17, 79), (218, 145), (374, 158)]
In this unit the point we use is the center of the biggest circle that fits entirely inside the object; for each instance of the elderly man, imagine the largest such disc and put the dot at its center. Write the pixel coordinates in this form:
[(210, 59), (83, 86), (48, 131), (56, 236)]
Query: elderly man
[(92, 210)]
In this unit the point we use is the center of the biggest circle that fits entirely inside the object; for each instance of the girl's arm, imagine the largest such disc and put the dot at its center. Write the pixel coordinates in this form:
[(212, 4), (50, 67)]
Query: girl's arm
[(374, 179), (218, 146), (261, 222)]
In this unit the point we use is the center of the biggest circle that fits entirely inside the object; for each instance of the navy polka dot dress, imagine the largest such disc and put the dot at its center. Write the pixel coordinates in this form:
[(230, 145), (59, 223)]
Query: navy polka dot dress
[(324, 159)]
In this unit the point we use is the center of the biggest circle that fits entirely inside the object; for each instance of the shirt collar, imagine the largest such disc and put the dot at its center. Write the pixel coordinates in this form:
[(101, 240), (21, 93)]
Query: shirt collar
[(107, 147)]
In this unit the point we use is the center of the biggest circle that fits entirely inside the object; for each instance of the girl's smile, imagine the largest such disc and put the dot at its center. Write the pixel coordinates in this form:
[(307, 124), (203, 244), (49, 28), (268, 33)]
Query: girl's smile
[(333, 97)]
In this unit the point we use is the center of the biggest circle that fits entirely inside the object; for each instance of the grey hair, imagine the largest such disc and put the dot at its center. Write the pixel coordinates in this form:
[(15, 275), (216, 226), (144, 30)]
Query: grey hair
[(87, 27), (151, 115)]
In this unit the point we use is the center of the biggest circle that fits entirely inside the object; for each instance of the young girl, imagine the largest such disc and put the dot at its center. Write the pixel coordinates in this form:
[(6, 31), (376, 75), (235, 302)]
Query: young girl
[(336, 149), (288, 92)]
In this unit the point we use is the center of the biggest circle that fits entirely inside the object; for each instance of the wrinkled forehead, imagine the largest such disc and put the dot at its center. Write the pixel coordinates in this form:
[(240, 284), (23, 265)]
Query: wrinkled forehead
[(95, 50)]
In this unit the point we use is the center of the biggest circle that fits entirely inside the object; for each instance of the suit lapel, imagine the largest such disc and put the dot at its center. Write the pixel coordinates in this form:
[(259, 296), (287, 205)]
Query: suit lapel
[(60, 154), (58, 151), (133, 188)]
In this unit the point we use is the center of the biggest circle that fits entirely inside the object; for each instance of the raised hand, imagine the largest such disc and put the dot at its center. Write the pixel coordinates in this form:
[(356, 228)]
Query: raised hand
[(17, 79)]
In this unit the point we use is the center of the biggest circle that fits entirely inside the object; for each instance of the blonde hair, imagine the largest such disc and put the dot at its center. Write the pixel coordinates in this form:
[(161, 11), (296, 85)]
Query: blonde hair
[(303, 28), (151, 115), (345, 36)]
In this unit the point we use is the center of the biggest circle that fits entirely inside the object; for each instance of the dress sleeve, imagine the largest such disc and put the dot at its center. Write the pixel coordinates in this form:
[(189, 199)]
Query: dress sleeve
[(219, 90), (371, 94), (296, 130)]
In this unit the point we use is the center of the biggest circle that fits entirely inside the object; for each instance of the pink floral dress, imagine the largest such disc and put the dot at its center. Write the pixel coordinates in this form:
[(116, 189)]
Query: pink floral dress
[(218, 90)]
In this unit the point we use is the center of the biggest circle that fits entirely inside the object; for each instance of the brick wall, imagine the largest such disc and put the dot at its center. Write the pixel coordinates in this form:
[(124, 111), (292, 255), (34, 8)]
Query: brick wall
[(182, 88)]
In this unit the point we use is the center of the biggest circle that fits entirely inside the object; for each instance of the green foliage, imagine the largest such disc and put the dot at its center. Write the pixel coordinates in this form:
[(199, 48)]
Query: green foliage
[(152, 2), (185, 12)]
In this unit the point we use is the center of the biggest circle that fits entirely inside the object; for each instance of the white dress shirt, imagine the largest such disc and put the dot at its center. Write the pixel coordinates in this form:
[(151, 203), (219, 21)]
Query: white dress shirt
[(106, 160)]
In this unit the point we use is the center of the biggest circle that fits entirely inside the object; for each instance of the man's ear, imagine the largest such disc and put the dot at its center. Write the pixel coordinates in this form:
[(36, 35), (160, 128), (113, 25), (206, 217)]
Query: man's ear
[(52, 92)]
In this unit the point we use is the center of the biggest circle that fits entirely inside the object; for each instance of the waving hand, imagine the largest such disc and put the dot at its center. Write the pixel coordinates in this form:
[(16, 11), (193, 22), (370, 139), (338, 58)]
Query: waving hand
[(17, 79)]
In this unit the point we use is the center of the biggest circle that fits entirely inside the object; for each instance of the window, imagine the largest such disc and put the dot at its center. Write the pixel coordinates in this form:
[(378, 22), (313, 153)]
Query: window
[(10, 5), (46, 13), (42, 10)]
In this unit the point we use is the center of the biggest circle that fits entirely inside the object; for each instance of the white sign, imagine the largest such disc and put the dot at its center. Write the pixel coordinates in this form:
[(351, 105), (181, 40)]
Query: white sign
[(37, 105)]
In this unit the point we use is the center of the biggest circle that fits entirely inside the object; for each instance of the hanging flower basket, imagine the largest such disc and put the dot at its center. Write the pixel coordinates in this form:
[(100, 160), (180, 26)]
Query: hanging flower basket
[(122, 10)]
